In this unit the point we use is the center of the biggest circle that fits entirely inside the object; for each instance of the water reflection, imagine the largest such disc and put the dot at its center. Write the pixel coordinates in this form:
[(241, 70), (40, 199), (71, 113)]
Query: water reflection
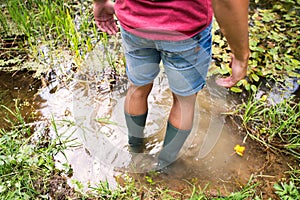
[(18, 94)]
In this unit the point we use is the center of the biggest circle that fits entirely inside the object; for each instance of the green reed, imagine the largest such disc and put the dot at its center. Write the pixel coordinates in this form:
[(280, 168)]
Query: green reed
[(65, 24), (276, 126)]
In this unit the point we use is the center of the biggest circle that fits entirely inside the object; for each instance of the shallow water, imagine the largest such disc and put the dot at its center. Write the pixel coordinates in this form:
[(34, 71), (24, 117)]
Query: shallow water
[(207, 155), (18, 90), (91, 111)]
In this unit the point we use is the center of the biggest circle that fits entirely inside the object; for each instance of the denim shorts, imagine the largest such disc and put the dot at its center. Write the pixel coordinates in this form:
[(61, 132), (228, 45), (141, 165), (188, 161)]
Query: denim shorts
[(185, 62)]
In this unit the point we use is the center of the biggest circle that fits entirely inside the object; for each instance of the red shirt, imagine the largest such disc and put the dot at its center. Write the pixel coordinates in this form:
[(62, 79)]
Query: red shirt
[(164, 19)]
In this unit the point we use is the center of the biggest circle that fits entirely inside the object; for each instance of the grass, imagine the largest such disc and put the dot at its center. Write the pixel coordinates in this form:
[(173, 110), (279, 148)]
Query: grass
[(275, 126), (26, 160), (57, 24), (55, 32), (248, 192), (133, 190)]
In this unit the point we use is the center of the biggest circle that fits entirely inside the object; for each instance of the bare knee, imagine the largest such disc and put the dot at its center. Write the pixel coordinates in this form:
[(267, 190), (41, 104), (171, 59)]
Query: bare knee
[(182, 111), (184, 100), (139, 92)]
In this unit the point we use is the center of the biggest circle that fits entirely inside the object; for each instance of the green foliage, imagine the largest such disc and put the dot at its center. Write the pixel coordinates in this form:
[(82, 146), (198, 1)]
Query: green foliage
[(65, 24), (290, 190), (26, 164), (275, 40), (150, 180), (247, 192), (274, 44), (104, 191), (55, 32), (287, 191), (3, 23), (294, 174)]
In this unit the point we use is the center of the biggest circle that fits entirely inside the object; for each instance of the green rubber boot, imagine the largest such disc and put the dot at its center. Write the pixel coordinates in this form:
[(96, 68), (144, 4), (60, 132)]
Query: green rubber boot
[(173, 142), (135, 125)]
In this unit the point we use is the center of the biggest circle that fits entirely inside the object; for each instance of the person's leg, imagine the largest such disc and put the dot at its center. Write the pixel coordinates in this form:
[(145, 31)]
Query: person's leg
[(178, 128), (182, 111), (142, 66), (136, 110), (136, 99), (186, 64)]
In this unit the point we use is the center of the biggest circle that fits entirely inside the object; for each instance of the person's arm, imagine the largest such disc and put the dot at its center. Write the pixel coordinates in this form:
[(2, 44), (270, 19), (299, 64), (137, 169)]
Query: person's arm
[(104, 16), (232, 17)]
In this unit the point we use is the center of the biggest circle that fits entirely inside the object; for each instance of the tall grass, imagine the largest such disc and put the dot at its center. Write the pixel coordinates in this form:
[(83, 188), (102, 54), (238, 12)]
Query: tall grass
[(55, 21), (275, 126), (61, 31), (26, 159), (3, 23)]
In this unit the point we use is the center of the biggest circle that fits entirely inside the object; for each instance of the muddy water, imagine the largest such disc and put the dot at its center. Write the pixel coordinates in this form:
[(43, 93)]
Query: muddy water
[(207, 155), (18, 90)]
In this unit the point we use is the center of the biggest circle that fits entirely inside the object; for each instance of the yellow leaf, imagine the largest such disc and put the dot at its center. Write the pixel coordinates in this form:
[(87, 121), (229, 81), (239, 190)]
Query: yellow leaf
[(264, 97), (239, 150)]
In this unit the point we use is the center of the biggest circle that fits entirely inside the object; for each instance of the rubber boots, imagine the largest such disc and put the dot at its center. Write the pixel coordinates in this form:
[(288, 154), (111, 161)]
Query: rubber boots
[(174, 140), (135, 125)]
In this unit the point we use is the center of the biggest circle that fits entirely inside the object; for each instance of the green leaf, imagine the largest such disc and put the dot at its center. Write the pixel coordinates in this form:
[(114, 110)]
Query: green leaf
[(254, 88), (247, 86), (295, 62), (236, 89), (255, 77), (277, 187), (106, 121), (239, 83), (2, 188)]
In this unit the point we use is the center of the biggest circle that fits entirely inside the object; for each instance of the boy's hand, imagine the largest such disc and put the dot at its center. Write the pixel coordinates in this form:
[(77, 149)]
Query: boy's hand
[(104, 16), (239, 71), (232, 17)]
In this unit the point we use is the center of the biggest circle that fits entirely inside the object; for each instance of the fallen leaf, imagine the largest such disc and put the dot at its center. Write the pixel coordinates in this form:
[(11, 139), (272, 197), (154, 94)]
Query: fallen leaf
[(239, 150)]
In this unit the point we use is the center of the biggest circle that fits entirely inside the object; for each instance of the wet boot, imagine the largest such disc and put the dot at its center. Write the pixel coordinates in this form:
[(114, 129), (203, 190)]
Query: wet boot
[(135, 125), (174, 140)]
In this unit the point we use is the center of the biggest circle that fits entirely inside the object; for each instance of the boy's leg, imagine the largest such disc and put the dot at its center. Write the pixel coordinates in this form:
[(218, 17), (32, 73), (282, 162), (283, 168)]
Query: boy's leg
[(136, 99), (182, 111), (186, 65), (142, 66), (136, 110), (179, 126)]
